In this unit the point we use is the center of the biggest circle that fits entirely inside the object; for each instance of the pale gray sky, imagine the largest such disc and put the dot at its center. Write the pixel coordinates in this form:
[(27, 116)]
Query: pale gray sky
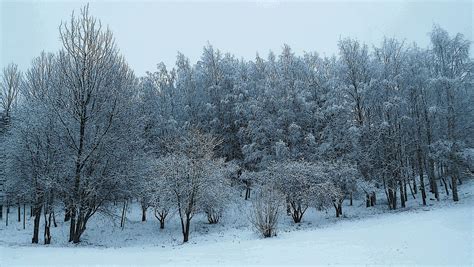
[(148, 32)]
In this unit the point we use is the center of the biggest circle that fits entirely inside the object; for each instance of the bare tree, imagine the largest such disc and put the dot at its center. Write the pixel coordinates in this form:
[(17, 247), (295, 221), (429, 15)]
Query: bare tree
[(188, 170), (95, 84), (9, 87), (452, 67), (355, 74), (39, 140)]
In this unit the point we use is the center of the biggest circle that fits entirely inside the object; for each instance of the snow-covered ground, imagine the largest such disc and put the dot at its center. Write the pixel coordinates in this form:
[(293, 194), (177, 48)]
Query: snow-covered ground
[(441, 233)]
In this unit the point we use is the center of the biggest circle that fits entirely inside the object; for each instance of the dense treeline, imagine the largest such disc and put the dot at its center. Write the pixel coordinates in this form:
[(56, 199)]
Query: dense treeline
[(80, 131)]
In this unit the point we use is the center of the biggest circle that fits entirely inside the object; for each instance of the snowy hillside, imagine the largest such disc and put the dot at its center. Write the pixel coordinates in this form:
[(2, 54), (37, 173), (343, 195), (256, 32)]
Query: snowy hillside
[(441, 233)]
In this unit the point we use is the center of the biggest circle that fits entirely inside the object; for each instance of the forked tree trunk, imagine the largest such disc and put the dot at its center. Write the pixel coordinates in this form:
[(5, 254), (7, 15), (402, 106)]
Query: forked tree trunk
[(78, 232), (47, 226), (37, 214), (161, 216), (297, 212), (338, 208), (185, 227), (81, 221), (79, 217)]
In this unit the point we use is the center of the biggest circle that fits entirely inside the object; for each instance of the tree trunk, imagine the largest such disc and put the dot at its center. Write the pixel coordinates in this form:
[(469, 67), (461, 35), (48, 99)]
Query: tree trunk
[(186, 229), (54, 219), (1, 212), (394, 197), (161, 216), (247, 193), (73, 229), (6, 217), (455, 188), (19, 212), (80, 226), (405, 190), (47, 226), (415, 188), (387, 193), (24, 216), (431, 173), (144, 213), (422, 182), (445, 186), (338, 208), (67, 214), (411, 191), (402, 195), (297, 212), (350, 203), (37, 214), (72, 219), (431, 170), (288, 206), (122, 220), (373, 199)]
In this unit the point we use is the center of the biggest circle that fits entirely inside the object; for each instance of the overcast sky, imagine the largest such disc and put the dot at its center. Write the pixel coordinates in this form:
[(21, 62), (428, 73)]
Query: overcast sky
[(148, 32)]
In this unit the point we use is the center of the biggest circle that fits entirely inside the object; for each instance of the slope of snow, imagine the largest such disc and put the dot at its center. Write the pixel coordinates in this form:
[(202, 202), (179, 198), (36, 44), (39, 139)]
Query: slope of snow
[(443, 235)]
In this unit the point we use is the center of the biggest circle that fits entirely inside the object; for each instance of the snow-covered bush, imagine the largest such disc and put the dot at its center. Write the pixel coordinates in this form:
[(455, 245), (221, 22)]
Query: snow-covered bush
[(266, 209), (189, 171), (218, 196)]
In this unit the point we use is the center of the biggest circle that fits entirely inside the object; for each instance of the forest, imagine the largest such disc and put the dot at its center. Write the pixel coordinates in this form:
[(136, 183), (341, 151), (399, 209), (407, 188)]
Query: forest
[(81, 134)]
